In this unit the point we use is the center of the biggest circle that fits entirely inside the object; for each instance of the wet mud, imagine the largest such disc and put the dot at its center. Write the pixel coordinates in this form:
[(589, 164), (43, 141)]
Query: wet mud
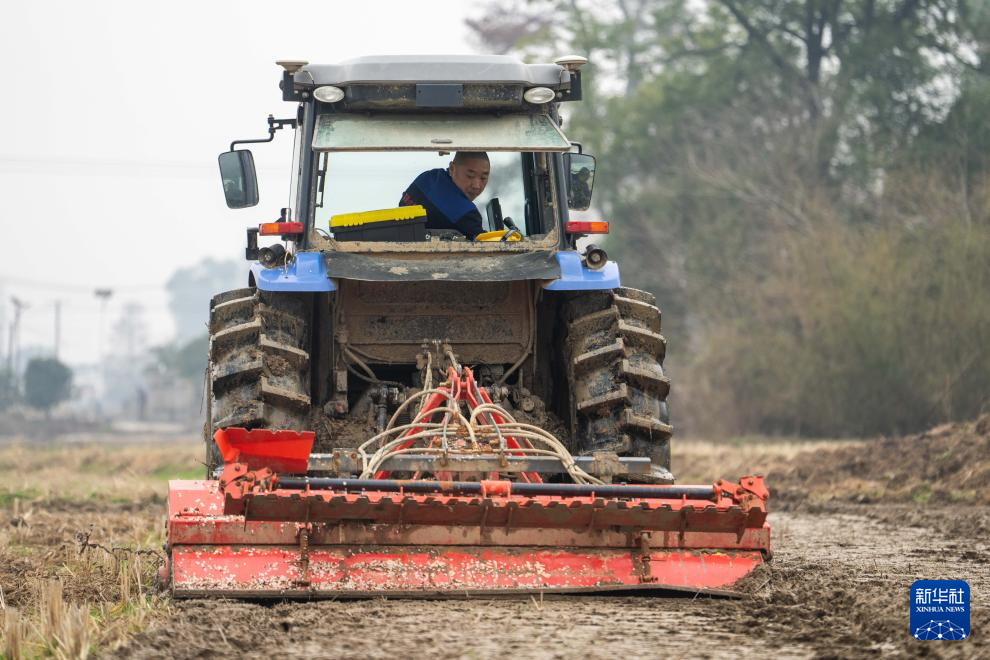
[(854, 524), (837, 587)]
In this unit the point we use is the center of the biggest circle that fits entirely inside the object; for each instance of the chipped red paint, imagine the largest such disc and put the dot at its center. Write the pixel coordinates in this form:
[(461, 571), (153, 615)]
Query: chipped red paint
[(248, 543), (275, 571)]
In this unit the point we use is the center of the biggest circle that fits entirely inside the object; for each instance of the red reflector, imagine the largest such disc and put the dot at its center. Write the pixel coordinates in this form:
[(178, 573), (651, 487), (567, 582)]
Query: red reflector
[(583, 227), (280, 228)]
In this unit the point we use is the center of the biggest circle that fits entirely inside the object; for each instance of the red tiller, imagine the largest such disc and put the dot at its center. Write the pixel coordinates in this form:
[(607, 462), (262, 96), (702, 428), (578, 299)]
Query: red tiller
[(267, 529), (258, 541)]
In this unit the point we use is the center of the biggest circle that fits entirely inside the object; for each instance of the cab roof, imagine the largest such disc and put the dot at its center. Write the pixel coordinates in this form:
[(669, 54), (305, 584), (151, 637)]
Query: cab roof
[(379, 69)]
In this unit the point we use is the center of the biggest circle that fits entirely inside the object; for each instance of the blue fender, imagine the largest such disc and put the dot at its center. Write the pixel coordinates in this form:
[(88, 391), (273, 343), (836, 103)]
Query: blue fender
[(307, 272), (575, 276)]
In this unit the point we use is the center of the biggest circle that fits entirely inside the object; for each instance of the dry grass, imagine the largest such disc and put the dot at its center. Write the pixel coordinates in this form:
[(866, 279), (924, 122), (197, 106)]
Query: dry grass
[(702, 461), (95, 472), (946, 465), (80, 539)]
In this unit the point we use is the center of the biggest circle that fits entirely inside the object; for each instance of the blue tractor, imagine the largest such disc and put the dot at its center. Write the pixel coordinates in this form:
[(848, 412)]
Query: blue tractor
[(373, 284)]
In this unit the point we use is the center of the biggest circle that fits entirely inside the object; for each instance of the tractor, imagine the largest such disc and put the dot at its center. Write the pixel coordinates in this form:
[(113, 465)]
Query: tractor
[(399, 405)]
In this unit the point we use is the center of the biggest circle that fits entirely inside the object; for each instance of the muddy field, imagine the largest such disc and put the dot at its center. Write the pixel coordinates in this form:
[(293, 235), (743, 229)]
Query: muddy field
[(855, 523)]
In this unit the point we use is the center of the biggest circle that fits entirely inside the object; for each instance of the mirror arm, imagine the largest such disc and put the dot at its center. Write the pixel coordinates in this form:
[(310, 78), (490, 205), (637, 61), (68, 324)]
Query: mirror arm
[(251, 252), (273, 125)]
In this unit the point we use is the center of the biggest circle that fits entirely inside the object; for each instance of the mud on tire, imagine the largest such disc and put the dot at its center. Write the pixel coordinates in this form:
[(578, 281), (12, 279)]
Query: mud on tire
[(615, 354), (259, 363)]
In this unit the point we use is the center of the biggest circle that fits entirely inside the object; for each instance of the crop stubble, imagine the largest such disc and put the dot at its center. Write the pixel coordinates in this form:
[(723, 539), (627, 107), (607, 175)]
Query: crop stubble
[(854, 525)]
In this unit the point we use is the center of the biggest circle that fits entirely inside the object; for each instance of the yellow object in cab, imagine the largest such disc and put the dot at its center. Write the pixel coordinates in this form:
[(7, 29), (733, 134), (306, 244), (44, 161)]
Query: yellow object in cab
[(382, 215), (497, 235)]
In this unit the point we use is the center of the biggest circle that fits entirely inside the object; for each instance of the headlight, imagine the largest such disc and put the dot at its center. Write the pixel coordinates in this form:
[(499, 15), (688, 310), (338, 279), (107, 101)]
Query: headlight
[(538, 95), (329, 94)]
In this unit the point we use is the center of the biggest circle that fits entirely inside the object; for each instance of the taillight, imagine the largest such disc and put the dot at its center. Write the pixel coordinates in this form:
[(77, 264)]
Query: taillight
[(281, 228), (586, 227)]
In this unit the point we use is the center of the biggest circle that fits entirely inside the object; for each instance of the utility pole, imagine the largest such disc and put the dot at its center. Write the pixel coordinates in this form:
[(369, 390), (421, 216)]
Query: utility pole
[(104, 296), (14, 339), (58, 326), (3, 316), (10, 343)]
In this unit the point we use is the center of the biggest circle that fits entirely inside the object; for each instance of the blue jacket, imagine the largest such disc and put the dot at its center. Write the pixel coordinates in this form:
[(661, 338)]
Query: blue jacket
[(446, 206)]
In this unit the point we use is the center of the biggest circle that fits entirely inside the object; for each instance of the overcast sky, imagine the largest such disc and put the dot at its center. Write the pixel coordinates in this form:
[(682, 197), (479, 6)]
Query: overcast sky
[(113, 114)]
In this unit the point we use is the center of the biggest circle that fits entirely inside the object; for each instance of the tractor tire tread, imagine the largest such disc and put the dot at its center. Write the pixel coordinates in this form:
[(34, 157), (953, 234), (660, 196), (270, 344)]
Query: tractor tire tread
[(259, 363), (233, 294), (615, 357), (650, 380), (599, 357)]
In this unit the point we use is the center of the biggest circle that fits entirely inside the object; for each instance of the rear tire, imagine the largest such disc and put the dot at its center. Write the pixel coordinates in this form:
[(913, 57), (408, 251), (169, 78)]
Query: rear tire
[(259, 363), (615, 354)]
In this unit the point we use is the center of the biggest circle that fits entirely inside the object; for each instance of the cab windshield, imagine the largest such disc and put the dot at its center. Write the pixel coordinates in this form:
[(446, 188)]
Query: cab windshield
[(359, 182)]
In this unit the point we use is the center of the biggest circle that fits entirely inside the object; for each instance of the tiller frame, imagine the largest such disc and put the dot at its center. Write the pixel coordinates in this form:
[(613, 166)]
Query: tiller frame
[(271, 526)]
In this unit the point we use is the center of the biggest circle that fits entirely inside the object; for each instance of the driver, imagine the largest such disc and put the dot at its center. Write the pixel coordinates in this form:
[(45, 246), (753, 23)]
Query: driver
[(448, 194)]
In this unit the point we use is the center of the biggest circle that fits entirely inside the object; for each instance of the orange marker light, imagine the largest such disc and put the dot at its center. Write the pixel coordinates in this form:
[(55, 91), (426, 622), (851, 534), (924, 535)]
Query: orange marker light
[(585, 227), (280, 228)]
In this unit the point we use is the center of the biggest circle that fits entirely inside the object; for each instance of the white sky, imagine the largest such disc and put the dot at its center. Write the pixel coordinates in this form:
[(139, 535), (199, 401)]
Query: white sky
[(112, 116)]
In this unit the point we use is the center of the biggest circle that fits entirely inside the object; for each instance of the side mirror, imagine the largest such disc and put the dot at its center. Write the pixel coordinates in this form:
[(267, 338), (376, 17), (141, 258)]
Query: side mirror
[(580, 180), (240, 182)]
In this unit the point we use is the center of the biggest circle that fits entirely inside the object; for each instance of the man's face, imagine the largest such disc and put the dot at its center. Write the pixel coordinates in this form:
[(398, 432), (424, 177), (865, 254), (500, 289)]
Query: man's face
[(471, 176)]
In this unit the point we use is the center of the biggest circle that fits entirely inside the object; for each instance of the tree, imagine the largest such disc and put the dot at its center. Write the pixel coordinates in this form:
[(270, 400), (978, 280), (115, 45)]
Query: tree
[(190, 289), (831, 87), (780, 173), (182, 360), (47, 382), (861, 73)]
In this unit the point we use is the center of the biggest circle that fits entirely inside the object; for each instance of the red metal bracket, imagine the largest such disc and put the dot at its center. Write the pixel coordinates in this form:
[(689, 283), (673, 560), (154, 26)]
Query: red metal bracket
[(643, 557), (237, 481), (303, 534), (750, 492)]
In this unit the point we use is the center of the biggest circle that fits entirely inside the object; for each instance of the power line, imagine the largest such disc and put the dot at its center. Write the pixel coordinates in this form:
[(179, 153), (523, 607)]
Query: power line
[(112, 166), (76, 306), (68, 286), (150, 310), (104, 162)]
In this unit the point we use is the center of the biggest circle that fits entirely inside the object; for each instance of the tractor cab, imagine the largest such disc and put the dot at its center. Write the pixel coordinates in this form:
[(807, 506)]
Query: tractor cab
[(365, 129)]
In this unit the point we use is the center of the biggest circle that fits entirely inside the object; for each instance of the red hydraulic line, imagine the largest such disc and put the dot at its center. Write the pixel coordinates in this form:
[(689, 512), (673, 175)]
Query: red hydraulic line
[(462, 388), (432, 402), (510, 442)]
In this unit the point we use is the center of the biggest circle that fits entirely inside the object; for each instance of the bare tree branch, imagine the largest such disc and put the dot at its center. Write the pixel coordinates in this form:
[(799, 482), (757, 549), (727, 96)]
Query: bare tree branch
[(760, 37)]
